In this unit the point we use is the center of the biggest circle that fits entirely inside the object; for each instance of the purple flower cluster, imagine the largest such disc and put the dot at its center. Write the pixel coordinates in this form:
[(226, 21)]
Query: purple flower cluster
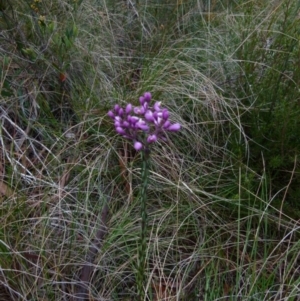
[(142, 124)]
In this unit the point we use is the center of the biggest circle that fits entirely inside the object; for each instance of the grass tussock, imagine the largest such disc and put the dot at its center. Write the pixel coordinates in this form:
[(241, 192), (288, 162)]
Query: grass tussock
[(223, 194)]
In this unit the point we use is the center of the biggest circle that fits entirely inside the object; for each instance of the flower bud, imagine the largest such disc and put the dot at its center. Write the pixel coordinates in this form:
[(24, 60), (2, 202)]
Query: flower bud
[(147, 97), (149, 116), (151, 138), (121, 112), (117, 108), (141, 124), (166, 124), (111, 114), (120, 130), (142, 100), (145, 106), (117, 123), (128, 108), (174, 127), (139, 110), (165, 114), (132, 119), (158, 121), (138, 145), (156, 106), (125, 124)]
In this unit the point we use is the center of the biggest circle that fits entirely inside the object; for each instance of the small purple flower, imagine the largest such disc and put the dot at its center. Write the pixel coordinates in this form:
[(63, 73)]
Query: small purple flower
[(143, 124)]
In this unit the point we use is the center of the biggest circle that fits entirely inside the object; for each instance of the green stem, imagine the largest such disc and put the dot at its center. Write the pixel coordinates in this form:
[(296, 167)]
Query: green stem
[(142, 249)]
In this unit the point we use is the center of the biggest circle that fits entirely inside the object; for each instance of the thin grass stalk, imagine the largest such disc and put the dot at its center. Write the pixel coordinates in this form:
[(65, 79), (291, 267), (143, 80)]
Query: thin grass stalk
[(142, 248)]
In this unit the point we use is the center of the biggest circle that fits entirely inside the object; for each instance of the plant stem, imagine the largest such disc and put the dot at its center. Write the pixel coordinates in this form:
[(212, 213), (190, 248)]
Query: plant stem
[(143, 243)]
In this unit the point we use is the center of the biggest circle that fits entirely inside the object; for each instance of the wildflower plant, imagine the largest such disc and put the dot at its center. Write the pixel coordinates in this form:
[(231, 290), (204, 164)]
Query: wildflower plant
[(143, 125)]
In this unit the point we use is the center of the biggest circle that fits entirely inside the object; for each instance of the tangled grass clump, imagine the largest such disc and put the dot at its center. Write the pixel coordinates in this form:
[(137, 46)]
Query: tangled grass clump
[(222, 210)]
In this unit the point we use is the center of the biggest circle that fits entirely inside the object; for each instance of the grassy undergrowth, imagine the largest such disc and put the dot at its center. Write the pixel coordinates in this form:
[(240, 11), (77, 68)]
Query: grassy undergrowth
[(223, 194)]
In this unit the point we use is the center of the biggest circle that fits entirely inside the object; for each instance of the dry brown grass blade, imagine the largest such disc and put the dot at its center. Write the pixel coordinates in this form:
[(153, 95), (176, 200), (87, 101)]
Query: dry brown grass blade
[(163, 291), (165, 288), (5, 190)]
